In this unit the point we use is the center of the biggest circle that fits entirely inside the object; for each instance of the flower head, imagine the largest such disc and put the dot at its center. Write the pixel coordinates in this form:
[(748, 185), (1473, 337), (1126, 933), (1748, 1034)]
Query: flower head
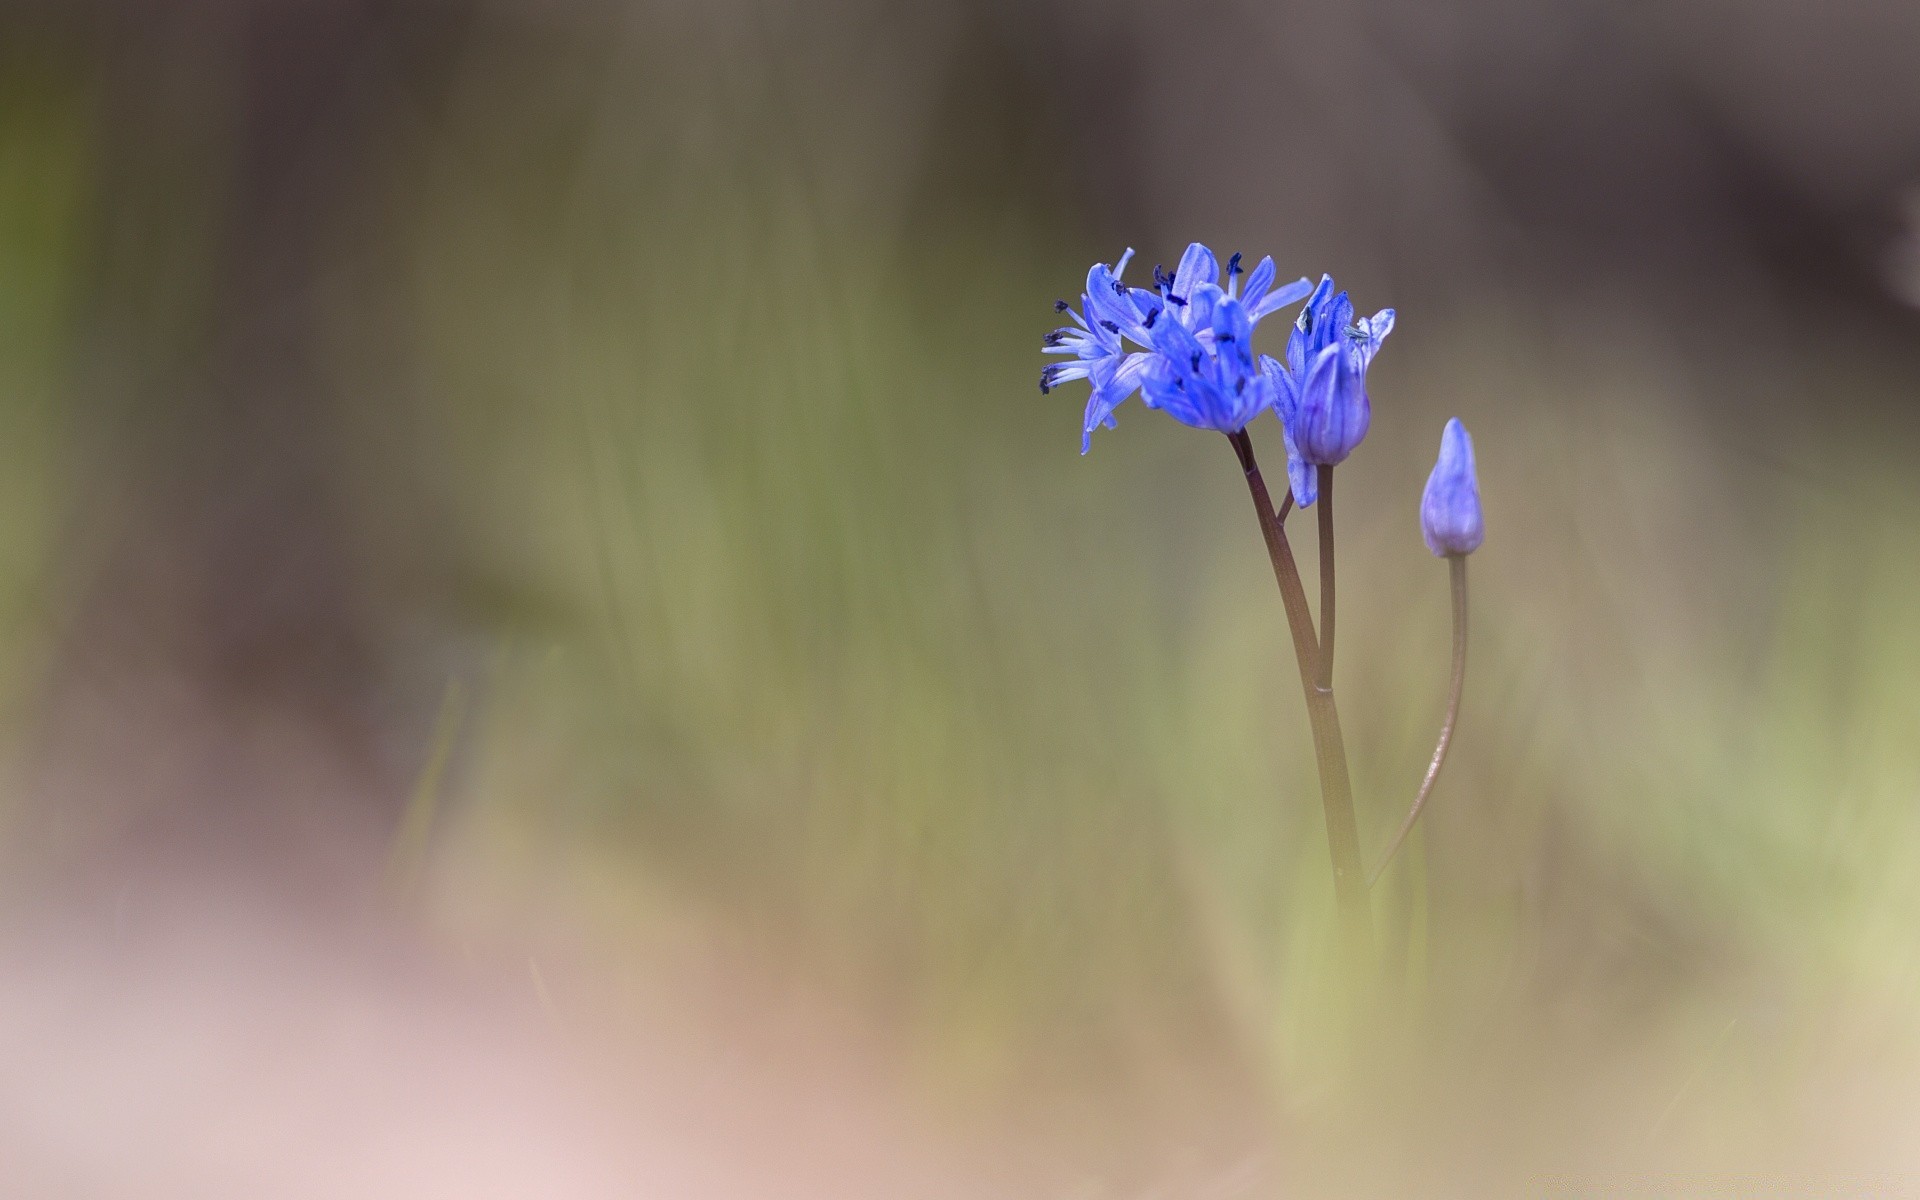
[(1323, 395), (1450, 519), (1207, 377), (1197, 361)]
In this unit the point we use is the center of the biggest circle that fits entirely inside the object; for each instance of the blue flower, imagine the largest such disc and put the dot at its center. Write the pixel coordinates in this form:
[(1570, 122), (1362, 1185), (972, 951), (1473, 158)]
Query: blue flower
[(1323, 391), (1208, 378), (1093, 339), (1450, 518), (1197, 362)]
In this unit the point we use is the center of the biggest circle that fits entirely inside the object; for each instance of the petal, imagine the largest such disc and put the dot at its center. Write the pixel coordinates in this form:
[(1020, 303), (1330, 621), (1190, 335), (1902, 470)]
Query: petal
[(1309, 320), (1335, 321), (1200, 304), (1233, 336), (1279, 298), (1370, 332), (1297, 351), (1110, 306), (1259, 280), (1253, 395), (1181, 348), (1302, 476), (1197, 266), (1286, 395)]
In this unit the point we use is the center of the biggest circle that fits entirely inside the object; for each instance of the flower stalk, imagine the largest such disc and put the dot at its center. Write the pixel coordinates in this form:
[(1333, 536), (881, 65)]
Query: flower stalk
[(1457, 568), (1326, 576), (1329, 747)]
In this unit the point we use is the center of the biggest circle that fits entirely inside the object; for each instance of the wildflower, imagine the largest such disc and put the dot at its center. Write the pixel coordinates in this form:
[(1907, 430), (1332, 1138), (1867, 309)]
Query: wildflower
[(1197, 359), (1450, 519), (1323, 394), (1108, 310), (1208, 378)]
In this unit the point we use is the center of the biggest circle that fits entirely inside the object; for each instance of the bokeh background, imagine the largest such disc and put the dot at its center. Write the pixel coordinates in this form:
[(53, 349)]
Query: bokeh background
[(549, 645)]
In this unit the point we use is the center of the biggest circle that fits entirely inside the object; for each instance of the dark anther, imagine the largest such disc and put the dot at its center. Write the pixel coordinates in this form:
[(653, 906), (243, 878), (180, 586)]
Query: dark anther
[(1196, 360), (1153, 314), (1054, 338), (1061, 306), (1161, 279), (1240, 388), (1119, 289), (1110, 327), (1222, 337), (1173, 299), (1233, 265)]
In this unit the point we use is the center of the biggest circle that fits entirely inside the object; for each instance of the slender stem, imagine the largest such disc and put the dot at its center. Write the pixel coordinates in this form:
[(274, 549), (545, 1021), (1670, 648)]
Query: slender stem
[(1457, 564), (1326, 575), (1336, 790), (1286, 506)]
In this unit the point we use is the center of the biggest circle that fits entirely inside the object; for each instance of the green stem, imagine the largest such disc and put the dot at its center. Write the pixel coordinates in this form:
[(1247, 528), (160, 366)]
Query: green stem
[(1329, 749), (1457, 564)]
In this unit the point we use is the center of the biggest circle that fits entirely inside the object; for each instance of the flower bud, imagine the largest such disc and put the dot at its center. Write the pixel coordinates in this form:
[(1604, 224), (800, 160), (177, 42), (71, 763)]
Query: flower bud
[(1450, 518), (1333, 411)]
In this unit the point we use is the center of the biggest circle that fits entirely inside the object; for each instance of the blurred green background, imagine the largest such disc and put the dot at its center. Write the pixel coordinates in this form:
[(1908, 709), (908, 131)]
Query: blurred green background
[(571, 476)]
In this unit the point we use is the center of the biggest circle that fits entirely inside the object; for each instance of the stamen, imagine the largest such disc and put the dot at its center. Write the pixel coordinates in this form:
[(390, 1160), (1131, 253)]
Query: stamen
[(1173, 299), (1110, 326), (1196, 360), (1233, 265), (1061, 306), (1153, 314)]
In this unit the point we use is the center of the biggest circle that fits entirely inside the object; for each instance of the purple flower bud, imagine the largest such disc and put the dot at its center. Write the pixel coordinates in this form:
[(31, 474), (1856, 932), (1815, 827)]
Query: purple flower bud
[(1450, 518), (1333, 412)]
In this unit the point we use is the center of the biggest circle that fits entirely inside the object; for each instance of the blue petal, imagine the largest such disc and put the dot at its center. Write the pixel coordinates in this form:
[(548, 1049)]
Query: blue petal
[(1233, 335), (1114, 380), (1253, 395), (1197, 266), (1111, 307), (1200, 303), (1369, 332), (1273, 301), (1259, 280), (1297, 352), (1302, 476), (1181, 348), (1309, 319), (1286, 392)]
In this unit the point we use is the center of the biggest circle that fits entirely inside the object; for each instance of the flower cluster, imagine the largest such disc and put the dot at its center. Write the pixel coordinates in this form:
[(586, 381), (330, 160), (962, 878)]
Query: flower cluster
[(1196, 359)]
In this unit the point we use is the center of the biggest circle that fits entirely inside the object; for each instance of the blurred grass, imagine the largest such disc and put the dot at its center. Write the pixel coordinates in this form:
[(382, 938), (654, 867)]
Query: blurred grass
[(46, 198)]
